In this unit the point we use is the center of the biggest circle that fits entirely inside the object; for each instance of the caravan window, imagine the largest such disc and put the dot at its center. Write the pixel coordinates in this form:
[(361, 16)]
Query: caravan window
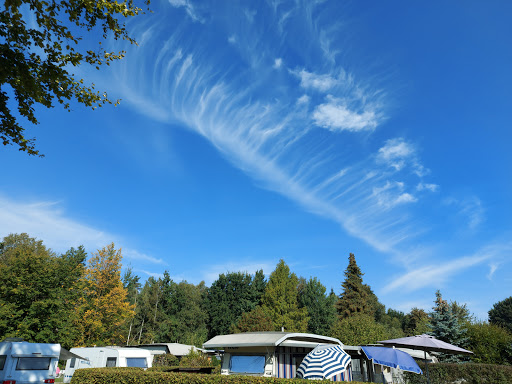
[(33, 364), (139, 362), (2, 361), (247, 364), (111, 362), (72, 363)]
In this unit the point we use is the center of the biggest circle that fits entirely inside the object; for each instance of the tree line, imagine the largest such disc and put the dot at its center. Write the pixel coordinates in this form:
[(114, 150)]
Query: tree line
[(80, 300)]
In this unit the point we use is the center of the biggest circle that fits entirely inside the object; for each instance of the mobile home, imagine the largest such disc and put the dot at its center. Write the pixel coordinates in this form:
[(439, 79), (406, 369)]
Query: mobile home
[(270, 354), (101, 357), (28, 363)]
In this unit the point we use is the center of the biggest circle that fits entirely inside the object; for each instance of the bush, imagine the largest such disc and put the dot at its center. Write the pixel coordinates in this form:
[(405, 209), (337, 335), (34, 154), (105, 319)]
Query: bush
[(139, 376), (468, 373), (165, 360), (195, 359)]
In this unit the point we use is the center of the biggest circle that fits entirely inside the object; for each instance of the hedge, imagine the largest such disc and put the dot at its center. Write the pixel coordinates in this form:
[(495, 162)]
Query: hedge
[(466, 373), (139, 376)]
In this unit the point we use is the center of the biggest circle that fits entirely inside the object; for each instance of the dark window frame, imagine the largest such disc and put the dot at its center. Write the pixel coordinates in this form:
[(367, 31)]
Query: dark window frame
[(109, 360), (133, 359), (24, 360)]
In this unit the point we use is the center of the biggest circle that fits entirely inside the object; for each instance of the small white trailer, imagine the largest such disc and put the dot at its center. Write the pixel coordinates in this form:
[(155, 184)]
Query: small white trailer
[(101, 357), (28, 363)]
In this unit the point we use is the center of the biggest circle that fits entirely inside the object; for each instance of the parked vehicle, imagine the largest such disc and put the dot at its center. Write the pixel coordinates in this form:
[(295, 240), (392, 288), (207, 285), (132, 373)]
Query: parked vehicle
[(28, 363), (101, 357)]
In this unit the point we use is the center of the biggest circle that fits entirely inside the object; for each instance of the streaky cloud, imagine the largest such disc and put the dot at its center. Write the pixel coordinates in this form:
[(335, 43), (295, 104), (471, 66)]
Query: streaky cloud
[(48, 221), (266, 123)]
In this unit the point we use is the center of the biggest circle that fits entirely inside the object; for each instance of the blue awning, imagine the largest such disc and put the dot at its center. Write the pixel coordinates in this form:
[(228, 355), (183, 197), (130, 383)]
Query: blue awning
[(391, 357)]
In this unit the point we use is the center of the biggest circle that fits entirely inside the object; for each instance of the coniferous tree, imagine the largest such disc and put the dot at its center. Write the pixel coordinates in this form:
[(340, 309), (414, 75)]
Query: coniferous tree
[(355, 297), (280, 301), (446, 327), (132, 285)]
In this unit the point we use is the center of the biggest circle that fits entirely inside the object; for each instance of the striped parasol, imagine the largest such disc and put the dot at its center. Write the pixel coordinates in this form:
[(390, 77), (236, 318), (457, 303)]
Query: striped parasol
[(324, 362)]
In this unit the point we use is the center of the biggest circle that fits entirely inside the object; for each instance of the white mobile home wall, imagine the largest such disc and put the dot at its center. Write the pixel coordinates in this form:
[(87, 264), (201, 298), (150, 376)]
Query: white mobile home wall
[(28, 363), (101, 357)]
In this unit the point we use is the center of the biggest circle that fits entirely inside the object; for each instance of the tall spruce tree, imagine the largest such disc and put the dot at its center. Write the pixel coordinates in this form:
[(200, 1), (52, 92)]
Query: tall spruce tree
[(446, 327), (355, 296)]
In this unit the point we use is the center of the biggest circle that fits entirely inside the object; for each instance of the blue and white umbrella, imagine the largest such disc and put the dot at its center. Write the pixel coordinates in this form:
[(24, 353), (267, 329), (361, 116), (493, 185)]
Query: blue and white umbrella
[(324, 362)]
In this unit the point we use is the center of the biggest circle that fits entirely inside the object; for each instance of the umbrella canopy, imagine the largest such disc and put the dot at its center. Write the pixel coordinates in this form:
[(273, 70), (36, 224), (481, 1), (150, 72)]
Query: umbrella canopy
[(426, 343), (324, 362), (391, 357)]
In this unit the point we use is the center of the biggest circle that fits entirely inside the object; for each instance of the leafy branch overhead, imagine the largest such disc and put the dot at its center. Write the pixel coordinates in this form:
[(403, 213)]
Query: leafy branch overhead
[(36, 60)]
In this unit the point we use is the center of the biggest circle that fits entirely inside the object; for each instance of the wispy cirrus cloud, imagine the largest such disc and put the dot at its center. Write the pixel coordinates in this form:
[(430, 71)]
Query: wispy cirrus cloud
[(47, 220), (392, 194), (267, 123), (470, 208), (436, 274), (189, 8)]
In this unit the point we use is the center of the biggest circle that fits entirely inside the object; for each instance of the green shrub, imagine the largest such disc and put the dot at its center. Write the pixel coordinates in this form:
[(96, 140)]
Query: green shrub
[(139, 376), (195, 359), (468, 372), (165, 360)]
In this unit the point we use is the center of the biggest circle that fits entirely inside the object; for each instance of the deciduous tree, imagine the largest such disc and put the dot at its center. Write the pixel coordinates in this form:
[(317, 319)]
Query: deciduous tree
[(254, 321), (183, 313), (501, 314), (359, 329), (40, 42), (490, 343), (230, 296), (321, 310), (104, 307), (416, 322), (39, 290)]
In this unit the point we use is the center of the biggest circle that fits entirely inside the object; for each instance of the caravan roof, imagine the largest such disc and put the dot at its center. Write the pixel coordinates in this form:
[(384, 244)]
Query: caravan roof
[(26, 349), (267, 339)]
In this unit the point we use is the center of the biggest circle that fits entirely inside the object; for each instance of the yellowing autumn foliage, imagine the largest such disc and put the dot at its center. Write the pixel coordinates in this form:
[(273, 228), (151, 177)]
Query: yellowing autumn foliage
[(104, 307)]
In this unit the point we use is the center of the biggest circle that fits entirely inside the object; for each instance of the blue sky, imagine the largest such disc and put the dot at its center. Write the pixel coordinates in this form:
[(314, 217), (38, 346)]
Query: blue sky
[(254, 131)]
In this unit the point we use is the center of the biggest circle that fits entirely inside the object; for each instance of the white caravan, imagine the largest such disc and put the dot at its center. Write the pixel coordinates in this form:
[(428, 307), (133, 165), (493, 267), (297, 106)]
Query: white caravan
[(28, 363), (101, 357)]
